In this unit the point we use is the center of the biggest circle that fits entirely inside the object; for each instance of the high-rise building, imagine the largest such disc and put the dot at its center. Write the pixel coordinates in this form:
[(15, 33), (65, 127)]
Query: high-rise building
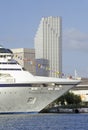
[(26, 58), (48, 45)]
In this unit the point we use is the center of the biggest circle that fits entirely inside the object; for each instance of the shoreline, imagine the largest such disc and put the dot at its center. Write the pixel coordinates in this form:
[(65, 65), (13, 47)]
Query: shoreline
[(65, 110)]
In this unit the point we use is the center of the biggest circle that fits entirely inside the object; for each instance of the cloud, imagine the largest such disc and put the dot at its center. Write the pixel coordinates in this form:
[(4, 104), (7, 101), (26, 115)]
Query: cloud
[(74, 39)]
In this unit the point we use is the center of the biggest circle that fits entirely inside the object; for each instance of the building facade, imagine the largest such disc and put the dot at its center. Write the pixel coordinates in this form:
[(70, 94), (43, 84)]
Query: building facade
[(82, 90), (26, 58), (48, 45)]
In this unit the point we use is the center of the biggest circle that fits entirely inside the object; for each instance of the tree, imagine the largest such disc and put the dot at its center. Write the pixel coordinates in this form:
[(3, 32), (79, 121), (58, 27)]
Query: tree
[(69, 98)]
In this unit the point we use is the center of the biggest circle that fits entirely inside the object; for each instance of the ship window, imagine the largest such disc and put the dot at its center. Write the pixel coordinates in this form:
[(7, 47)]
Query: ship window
[(9, 69), (12, 63), (2, 56), (3, 50), (8, 63)]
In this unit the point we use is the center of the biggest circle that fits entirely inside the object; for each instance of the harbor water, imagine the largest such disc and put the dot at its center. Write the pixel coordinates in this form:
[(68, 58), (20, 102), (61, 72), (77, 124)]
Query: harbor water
[(44, 122)]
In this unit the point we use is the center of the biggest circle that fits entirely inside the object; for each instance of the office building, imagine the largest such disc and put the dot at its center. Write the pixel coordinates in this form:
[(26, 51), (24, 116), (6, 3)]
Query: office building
[(48, 46), (26, 58)]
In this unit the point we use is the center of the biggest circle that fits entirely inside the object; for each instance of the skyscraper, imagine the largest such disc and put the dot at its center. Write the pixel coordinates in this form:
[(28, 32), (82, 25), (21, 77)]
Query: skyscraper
[(48, 45)]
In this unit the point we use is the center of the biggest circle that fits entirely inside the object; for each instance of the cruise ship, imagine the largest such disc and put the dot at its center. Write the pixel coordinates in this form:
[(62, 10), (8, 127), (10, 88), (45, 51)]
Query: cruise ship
[(21, 92)]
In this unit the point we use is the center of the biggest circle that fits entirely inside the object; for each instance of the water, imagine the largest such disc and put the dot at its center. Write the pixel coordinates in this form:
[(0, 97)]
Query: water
[(44, 122)]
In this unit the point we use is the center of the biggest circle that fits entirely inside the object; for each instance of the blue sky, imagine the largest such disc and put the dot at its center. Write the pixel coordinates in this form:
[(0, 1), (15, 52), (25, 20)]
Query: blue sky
[(19, 21)]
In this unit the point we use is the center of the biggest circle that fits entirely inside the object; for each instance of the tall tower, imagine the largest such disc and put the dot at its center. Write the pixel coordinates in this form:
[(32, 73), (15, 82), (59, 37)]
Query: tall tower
[(48, 45)]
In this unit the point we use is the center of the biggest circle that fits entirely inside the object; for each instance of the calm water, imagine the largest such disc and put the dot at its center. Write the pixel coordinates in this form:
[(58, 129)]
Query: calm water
[(44, 122)]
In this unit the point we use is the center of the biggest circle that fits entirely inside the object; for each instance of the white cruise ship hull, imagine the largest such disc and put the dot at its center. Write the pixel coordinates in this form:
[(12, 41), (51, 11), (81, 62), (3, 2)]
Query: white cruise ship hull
[(28, 99), (20, 91)]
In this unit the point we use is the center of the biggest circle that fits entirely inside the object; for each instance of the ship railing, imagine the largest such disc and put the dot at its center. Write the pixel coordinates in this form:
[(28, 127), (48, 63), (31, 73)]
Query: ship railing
[(6, 78)]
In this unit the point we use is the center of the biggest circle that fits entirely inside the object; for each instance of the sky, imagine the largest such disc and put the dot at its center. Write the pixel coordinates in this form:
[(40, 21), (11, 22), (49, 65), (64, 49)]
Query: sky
[(19, 21)]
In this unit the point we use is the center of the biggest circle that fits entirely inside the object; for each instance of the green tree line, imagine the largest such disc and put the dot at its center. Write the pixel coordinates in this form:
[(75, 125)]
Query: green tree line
[(68, 99)]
